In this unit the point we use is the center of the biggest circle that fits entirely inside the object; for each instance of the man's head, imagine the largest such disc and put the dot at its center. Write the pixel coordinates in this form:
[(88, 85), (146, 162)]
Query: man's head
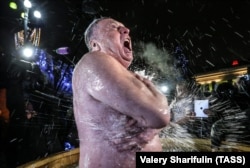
[(111, 37), (29, 110), (89, 32)]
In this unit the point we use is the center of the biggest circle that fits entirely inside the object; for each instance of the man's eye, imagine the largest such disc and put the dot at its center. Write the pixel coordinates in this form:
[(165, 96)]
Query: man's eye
[(114, 26)]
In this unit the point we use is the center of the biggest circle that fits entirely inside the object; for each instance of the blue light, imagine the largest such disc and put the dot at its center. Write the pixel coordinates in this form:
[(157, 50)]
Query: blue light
[(57, 73), (68, 146)]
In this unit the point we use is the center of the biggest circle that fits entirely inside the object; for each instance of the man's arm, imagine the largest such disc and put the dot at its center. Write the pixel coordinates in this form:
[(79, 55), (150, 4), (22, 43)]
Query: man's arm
[(112, 84)]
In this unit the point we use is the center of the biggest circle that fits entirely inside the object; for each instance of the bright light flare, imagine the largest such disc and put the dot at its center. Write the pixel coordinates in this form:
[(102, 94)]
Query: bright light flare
[(37, 14), (27, 4), (164, 89), (27, 52)]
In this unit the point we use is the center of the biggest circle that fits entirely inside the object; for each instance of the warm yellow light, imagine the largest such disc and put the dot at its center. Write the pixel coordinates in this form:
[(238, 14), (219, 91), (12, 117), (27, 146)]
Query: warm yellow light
[(220, 75), (22, 14), (13, 5)]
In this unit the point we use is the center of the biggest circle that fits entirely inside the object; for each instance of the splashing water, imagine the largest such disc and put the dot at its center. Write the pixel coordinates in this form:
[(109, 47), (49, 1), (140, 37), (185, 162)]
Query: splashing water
[(143, 74), (175, 138), (231, 132), (232, 126)]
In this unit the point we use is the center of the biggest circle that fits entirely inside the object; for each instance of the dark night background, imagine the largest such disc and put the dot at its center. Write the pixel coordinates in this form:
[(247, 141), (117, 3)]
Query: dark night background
[(216, 31), (210, 34)]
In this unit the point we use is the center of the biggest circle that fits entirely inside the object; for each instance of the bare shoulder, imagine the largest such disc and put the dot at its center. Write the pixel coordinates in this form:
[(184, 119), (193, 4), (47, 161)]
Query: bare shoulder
[(96, 59), (101, 58), (99, 65), (102, 63)]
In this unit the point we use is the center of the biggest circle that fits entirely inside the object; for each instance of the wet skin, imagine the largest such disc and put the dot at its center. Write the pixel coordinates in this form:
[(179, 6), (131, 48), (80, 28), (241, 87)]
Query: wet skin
[(117, 112)]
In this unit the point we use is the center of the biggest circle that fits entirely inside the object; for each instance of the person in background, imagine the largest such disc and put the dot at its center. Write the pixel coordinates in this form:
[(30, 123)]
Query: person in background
[(229, 113), (29, 145), (117, 112), (30, 112)]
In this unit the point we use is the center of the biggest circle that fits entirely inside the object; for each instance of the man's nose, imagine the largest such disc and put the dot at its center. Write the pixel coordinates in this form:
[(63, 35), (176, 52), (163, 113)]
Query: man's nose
[(124, 30)]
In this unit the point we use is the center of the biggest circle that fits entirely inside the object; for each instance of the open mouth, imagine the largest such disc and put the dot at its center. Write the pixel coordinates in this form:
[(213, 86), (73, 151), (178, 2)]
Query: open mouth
[(127, 45)]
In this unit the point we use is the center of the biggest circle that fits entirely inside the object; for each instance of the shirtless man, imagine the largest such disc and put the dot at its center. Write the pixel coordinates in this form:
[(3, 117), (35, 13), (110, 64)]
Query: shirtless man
[(117, 112)]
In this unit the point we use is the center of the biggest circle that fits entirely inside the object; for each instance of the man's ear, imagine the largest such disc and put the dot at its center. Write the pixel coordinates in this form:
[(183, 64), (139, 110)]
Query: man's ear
[(95, 45)]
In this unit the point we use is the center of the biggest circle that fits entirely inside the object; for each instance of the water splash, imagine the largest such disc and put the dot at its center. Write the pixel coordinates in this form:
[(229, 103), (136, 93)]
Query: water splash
[(175, 138), (143, 74)]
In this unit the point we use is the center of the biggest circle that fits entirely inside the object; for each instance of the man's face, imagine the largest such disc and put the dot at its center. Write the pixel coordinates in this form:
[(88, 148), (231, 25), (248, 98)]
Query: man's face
[(115, 41)]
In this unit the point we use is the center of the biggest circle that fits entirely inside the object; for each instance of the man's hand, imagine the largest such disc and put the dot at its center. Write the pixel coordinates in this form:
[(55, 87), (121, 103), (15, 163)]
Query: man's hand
[(208, 112), (136, 137), (136, 142), (150, 85)]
